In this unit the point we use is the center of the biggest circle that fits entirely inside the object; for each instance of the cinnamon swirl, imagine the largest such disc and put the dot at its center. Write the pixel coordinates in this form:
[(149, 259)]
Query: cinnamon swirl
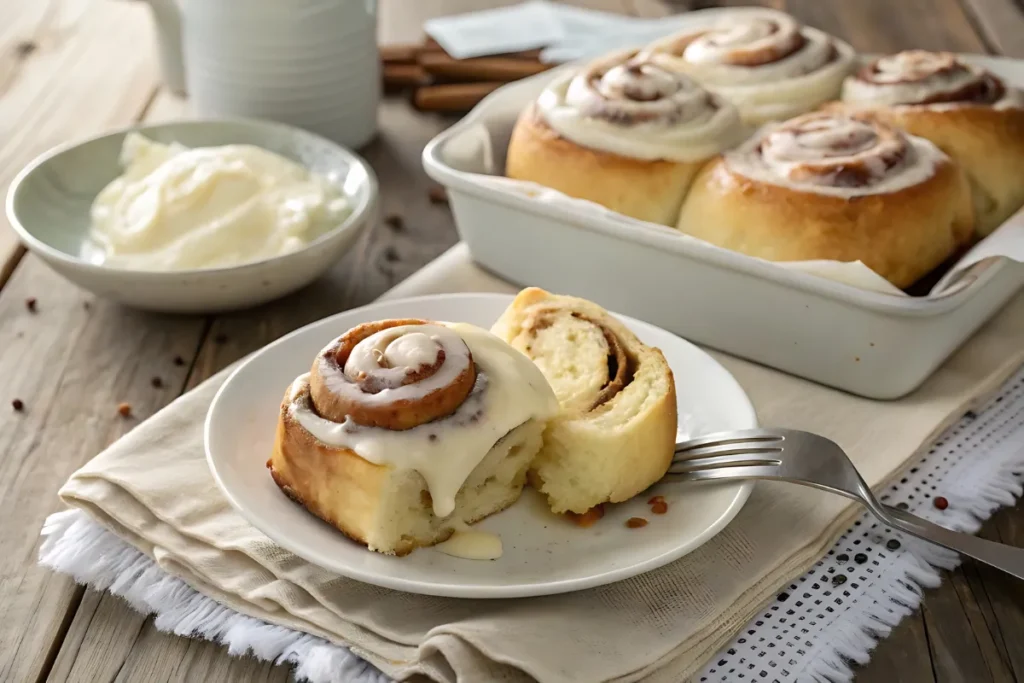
[(624, 133), (765, 62), (971, 114), (835, 187), (404, 430), (615, 433)]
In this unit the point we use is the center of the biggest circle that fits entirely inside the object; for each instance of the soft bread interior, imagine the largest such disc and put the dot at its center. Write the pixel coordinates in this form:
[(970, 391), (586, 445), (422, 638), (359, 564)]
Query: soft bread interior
[(615, 433), (405, 517)]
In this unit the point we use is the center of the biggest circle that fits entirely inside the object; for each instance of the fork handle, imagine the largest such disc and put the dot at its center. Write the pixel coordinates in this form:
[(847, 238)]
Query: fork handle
[(1001, 556)]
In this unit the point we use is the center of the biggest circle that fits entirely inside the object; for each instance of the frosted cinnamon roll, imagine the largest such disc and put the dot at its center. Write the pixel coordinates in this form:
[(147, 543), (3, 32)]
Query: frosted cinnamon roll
[(970, 113), (835, 187), (624, 133), (615, 433), (404, 430), (765, 62)]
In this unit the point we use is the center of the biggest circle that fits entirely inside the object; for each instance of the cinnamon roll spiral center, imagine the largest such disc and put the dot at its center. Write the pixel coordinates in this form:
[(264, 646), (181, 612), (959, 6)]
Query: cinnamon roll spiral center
[(835, 151), (395, 374), (753, 42), (921, 77), (638, 91)]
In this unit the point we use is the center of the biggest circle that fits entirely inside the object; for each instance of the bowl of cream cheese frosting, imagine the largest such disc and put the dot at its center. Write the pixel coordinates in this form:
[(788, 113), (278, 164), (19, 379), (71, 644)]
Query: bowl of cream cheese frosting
[(194, 216)]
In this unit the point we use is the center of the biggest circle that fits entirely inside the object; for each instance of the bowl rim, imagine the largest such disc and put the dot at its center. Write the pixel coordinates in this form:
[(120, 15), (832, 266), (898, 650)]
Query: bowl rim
[(356, 217)]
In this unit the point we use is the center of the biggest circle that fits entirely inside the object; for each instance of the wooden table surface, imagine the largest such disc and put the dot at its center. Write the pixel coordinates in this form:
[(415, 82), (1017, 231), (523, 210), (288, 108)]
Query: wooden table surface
[(72, 68)]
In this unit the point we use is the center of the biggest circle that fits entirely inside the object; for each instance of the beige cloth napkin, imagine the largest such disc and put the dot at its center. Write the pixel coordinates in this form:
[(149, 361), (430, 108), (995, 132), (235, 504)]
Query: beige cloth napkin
[(153, 488)]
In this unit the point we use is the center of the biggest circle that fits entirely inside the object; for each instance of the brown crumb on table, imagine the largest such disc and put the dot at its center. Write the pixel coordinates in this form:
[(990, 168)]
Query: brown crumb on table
[(941, 503), (437, 195), (18, 405), (124, 409), (156, 382), (179, 361), (87, 304), (636, 522), (394, 221), (30, 304), (656, 499), (659, 508)]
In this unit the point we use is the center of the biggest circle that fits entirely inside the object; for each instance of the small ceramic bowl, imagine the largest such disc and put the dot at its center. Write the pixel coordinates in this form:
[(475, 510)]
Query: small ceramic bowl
[(49, 203)]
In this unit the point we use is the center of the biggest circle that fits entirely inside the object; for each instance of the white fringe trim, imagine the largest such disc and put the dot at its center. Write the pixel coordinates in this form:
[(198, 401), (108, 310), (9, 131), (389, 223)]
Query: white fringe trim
[(886, 603), (74, 544)]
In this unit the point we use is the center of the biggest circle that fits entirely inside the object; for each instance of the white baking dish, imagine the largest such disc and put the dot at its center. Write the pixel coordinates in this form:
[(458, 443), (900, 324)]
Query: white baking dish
[(869, 343)]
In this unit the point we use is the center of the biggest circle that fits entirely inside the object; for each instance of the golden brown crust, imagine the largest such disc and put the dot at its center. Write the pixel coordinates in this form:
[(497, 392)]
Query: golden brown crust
[(395, 415), (301, 465), (648, 190), (988, 144), (900, 235)]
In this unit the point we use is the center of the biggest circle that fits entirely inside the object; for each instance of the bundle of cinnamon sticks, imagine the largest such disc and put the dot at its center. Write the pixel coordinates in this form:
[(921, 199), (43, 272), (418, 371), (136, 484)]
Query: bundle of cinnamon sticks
[(439, 82)]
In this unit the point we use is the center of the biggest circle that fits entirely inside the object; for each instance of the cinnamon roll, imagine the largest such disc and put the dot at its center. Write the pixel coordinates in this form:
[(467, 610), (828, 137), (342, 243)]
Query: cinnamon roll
[(624, 133), (765, 62), (835, 187), (615, 433), (404, 430), (971, 114)]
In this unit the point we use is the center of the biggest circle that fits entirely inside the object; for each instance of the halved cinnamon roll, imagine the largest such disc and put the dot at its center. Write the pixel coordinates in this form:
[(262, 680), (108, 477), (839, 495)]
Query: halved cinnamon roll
[(763, 61), (835, 187), (970, 113), (615, 433), (405, 429), (624, 133)]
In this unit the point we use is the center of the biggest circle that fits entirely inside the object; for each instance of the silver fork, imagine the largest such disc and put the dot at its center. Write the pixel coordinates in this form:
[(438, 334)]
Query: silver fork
[(812, 460)]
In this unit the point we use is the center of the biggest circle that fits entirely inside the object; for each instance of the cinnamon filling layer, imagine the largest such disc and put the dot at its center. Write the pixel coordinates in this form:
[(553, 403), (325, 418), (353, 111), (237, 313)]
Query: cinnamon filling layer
[(397, 380)]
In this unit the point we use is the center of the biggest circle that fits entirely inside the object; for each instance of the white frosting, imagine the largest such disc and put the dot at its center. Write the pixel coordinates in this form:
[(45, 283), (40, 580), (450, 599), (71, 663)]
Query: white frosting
[(176, 208), (639, 110), (916, 76), (809, 154), (469, 544), (404, 349), (767, 64), (510, 390)]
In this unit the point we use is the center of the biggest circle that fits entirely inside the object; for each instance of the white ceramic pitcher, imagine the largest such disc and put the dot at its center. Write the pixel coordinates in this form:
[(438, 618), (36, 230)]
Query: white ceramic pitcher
[(309, 63)]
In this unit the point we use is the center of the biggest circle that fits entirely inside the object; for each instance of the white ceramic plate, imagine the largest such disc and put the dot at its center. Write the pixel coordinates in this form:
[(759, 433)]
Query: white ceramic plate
[(544, 554)]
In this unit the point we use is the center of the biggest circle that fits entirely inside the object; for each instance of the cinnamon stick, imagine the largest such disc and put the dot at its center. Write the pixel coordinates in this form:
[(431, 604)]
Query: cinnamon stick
[(399, 54), (457, 97), (502, 69), (404, 75)]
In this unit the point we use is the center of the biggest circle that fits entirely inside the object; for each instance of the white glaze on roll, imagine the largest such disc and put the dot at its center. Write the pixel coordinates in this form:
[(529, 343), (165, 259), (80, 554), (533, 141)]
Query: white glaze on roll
[(509, 391), (765, 62), (836, 155), (936, 79), (403, 350), (639, 110)]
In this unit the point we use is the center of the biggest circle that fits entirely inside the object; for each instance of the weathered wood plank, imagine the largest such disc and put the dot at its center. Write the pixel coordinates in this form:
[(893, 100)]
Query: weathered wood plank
[(68, 69), (1001, 24), (882, 25), (1004, 593), (102, 627), (71, 366), (902, 656)]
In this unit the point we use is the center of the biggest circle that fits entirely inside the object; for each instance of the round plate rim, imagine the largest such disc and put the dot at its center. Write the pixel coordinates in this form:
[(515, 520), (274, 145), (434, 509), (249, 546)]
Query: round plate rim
[(521, 590)]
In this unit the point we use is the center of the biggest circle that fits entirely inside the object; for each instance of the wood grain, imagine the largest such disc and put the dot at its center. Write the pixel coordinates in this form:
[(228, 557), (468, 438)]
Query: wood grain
[(68, 69), (71, 366), (1000, 23)]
